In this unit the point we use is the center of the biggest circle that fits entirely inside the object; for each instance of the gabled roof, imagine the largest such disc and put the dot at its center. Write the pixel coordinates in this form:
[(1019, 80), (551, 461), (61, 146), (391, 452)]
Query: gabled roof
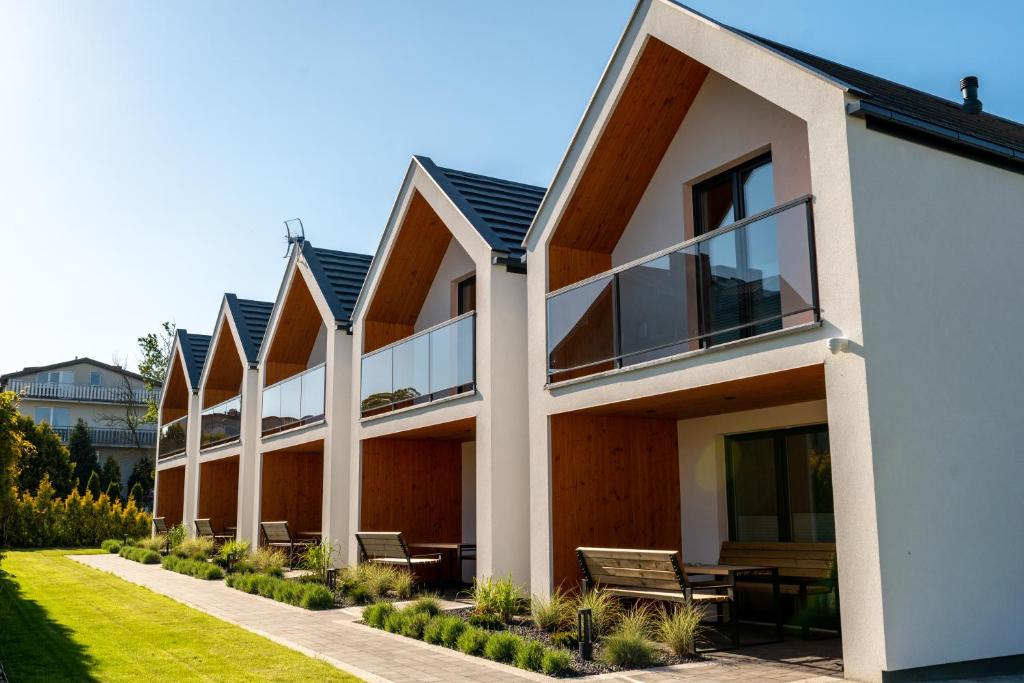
[(500, 210), (340, 276), (63, 364), (194, 348), (251, 319)]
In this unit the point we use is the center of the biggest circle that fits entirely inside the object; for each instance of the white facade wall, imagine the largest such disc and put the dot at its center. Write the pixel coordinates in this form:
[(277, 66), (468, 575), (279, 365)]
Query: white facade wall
[(438, 306)]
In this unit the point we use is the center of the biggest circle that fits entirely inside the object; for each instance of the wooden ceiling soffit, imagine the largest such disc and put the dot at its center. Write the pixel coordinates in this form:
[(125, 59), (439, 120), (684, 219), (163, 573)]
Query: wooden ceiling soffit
[(649, 111), (224, 380), (175, 400), (406, 277), (295, 333)]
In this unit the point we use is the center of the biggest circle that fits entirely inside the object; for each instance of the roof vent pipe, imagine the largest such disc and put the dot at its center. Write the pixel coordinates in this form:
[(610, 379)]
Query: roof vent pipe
[(969, 89)]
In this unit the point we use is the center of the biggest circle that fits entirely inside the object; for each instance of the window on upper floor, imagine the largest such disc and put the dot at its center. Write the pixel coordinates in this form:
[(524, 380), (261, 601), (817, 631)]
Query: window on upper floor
[(57, 377), (95, 379), (55, 417)]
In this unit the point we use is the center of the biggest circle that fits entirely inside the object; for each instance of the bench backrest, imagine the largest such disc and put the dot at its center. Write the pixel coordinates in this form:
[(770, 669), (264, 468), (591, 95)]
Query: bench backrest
[(276, 532), (623, 567), (798, 560), (160, 525), (375, 544), (203, 527)]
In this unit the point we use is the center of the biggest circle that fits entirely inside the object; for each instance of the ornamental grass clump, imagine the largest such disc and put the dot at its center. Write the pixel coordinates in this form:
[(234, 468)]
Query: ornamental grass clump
[(502, 598), (556, 662), (529, 655), (428, 604), (472, 641), (680, 628), (501, 647), (452, 630), (269, 561), (157, 542), (312, 596), (111, 545), (200, 569), (319, 559), (604, 609), (141, 555), (376, 614), (629, 645), (231, 553), (196, 548), (432, 632), (553, 613)]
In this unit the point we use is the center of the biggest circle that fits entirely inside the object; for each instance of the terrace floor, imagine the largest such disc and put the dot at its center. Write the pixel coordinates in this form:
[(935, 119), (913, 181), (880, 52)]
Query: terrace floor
[(376, 656)]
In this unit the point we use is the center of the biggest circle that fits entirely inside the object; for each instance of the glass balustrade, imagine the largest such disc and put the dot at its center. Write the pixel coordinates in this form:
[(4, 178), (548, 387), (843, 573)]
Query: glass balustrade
[(429, 365), (221, 423), (295, 401), (754, 276), (172, 437)]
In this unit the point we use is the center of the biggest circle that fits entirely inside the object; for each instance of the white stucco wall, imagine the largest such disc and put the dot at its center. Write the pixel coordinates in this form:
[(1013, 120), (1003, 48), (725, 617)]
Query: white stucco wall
[(939, 243), (726, 124), (318, 354), (437, 307)]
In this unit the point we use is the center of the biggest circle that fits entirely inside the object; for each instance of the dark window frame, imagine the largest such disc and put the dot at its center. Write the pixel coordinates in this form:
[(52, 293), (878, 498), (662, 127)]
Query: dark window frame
[(459, 294), (782, 491)]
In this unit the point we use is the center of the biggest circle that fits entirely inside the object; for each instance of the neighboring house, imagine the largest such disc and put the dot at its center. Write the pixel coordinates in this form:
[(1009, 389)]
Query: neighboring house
[(751, 312), (110, 400)]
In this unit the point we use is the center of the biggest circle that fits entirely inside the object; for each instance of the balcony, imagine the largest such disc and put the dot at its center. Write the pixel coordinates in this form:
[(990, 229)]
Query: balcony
[(112, 436), (172, 438), (221, 423), (429, 365), (755, 276), (89, 393), (295, 401)]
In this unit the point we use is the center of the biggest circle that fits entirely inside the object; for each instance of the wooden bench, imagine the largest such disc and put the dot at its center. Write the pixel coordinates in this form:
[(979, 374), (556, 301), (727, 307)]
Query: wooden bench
[(277, 535), (388, 547), (205, 530), (650, 575), (804, 568)]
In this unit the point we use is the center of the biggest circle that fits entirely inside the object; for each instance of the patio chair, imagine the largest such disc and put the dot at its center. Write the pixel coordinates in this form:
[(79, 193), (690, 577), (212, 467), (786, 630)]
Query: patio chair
[(205, 530), (277, 535), (388, 547), (160, 525)]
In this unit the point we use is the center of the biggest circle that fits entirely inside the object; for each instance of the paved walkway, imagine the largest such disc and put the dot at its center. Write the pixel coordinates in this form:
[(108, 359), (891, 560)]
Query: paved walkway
[(379, 657)]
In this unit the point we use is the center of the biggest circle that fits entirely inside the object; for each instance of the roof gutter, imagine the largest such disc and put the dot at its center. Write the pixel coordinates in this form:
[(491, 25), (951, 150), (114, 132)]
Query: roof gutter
[(512, 264), (940, 137)]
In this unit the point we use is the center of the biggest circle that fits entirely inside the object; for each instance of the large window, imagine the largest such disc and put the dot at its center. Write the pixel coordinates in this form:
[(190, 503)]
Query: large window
[(56, 417), (57, 377), (779, 485), (740, 275)]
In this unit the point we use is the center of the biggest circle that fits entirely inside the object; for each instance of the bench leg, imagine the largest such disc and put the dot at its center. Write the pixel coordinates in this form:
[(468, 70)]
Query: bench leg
[(777, 597), (734, 616), (805, 631)]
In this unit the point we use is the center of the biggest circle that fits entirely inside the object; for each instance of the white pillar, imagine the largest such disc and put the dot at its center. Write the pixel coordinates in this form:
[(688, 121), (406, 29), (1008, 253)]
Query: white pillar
[(337, 445), (250, 432), (191, 503)]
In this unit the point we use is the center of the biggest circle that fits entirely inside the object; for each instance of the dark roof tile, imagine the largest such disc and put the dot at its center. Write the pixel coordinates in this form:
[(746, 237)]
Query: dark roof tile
[(194, 348), (340, 275), (251, 319)]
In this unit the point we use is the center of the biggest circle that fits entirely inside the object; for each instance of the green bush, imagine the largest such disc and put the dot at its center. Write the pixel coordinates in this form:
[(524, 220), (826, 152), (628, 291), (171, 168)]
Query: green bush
[(427, 604), (141, 555), (318, 559), (200, 569), (605, 609), (312, 596), (395, 622), (529, 655), (402, 583), (502, 646), (415, 623), (195, 548), (491, 622), (628, 649), (434, 630), (316, 596), (111, 545), (176, 534), (680, 628), (502, 597), (269, 561), (451, 631), (156, 542), (556, 662), (473, 641), (553, 612), (377, 613), (232, 552), (566, 639), (359, 595)]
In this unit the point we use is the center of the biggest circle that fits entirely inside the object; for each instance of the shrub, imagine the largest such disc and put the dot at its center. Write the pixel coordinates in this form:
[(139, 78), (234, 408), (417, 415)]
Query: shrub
[(269, 561), (427, 604), (316, 596), (395, 622), (604, 609), (141, 555), (434, 630), (415, 623), (402, 583), (313, 596), (195, 548), (175, 535), (359, 595), (501, 647), (637, 620), (377, 613), (680, 628), (157, 542), (472, 641), (502, 597), (451, 631), (491, 622), (378, 579), (566, 639), (231, 552), (628, 649), (553, 612), (200, 569), (529, 655), (555, 662), (111, 545), (318, 559)]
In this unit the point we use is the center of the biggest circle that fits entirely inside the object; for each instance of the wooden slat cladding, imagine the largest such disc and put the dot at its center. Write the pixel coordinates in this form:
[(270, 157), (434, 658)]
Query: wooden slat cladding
[(646, 117), (170, 495), (218, 492), (224, 380), (413, 486), (176, 393), (295, 333), (614, 484), (405, 279), (292, 488)]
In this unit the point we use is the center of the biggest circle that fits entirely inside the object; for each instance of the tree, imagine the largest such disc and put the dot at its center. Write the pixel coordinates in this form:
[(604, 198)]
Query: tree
[(111, 472), (49, 457), (136, 493), (93, 485), (130, 411), (155, 349), (83, 453), (114, 490), (142, 476), (12, 447)]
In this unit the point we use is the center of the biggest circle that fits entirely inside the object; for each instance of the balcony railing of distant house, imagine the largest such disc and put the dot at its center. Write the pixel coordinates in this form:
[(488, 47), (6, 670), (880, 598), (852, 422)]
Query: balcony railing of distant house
[(430, 365), (113, 436), (90, 393), (296, 401), (221, 423), (172, 437), (755, 276)]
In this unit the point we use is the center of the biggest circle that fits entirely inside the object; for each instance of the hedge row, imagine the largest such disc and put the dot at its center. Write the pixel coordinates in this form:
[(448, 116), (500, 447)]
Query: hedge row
[(307, 595)]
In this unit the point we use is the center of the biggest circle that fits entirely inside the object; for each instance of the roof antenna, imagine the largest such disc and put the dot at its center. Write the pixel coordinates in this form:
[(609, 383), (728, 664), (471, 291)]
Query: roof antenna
[(294, 234)]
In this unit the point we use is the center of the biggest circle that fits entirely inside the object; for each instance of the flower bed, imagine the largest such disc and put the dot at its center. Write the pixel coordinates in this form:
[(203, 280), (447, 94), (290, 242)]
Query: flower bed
[(142, 555), (199, 568)]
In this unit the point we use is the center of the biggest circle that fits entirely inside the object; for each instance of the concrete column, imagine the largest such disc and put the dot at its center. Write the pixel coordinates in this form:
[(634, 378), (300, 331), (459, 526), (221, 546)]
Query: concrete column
[(247, 460), (191, 503), (337, 446)]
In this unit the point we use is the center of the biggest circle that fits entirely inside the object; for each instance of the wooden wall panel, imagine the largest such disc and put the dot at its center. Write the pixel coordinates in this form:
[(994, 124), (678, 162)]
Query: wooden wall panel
[(292, 489), (218, 492), (377, 333), (646, 117), (615, 483), (295, 333), (224, 380), (175, 400), (413, 486), (170, 495)]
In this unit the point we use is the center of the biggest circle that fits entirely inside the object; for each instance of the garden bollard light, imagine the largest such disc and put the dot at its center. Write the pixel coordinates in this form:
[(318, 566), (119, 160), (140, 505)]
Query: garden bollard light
[(332, 578), (585, 633)]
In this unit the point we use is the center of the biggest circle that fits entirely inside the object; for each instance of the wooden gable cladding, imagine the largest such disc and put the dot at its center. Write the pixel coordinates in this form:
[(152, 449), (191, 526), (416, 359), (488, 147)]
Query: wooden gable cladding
[(175, 398), (614, 484), (218, 492), (295, 333), (224, 379), (292, 487), (647, 115), (405, 278), (170, 495), (413, 486)]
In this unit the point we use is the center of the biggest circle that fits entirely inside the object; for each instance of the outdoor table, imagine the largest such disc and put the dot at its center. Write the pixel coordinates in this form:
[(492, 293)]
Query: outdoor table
[(309, 534), (449, 549), (752, 573)]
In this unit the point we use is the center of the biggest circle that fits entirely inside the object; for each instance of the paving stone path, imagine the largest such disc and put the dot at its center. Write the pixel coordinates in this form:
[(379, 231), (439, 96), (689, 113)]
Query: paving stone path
[(379, 657)]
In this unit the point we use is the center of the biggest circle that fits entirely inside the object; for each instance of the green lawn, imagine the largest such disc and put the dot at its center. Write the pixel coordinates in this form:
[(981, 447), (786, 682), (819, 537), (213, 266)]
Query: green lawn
[(63, 621)]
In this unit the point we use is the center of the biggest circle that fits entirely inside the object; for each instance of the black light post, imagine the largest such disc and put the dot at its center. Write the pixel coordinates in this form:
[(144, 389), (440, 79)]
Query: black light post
[(585, 633)]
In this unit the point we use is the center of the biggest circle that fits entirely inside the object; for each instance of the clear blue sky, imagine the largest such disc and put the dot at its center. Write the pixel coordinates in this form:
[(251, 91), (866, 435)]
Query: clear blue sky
[(149, 151)]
